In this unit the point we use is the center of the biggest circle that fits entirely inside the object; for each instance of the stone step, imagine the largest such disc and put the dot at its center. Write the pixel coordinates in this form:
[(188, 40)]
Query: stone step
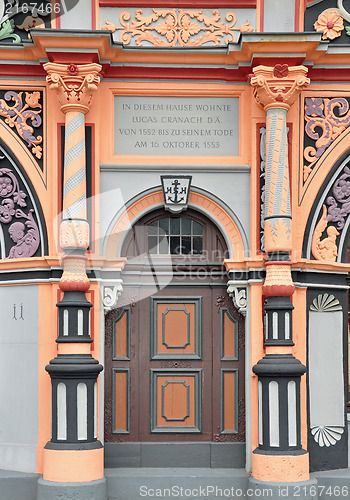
[(18, 485), (182, 483)]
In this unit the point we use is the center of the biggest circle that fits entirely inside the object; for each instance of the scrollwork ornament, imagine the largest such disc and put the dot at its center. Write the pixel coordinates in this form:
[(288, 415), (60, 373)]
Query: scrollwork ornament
[(239, 297), (20, 113), (111, 294), (177, 27), (23, 230), (325, 120)]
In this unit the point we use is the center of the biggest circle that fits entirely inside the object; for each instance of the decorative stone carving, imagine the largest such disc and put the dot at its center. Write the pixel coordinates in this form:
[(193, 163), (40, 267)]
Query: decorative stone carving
[(111, 293), (278, 281), (75, 84), (74, 276), (327, 436), (325, 120), (341, 193), (278, 86), (74, 234), (239, 296), (330, 23), (16, 116), (184, 28), (325, 249), (176, 190), (262, 185), (325, 303), (12, 205)]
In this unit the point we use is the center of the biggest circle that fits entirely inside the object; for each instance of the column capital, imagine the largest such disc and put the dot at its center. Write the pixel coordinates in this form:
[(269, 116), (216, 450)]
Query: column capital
[(75, 84), (278, 86)]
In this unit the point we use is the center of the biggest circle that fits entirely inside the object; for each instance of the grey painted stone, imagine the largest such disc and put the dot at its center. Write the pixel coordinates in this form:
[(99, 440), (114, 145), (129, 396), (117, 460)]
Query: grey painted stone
[(214, 455), (279, 16), (18, 485), (227, 455), (196, 126), (77, 18), (94, 490), (19, 367), (133, 484), (175, 455), (122, 455), (303, 490), (333, 484)]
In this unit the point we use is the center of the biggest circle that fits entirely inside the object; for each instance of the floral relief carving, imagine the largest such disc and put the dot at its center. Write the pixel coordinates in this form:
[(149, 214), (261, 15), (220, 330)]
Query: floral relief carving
[(177, 27), (18, 115), (325, 120), (330, 23), (25, 234)]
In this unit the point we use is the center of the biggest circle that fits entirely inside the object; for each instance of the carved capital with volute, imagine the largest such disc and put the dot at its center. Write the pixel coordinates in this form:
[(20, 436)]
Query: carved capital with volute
[(278, 86), (75, 84)]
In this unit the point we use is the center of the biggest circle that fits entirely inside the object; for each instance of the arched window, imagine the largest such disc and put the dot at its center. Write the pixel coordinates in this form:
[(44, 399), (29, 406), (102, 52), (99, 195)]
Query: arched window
[(189, 236), (175, 236)]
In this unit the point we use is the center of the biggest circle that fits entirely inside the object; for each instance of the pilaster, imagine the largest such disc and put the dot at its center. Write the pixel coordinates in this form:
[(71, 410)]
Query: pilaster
[(74, 372), (279, 372)]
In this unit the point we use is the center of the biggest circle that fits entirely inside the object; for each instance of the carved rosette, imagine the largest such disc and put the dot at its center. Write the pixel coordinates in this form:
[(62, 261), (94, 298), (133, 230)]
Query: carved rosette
[(278, 281), (74, 234), (278, 86), (74, 276), (75, 84)]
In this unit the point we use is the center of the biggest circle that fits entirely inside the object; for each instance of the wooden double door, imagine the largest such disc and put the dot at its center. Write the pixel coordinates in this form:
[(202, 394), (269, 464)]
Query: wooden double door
[(174, 368)]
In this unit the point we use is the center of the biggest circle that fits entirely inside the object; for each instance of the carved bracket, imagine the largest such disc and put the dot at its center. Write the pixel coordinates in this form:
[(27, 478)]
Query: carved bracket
[(111, 294), (239, 296)]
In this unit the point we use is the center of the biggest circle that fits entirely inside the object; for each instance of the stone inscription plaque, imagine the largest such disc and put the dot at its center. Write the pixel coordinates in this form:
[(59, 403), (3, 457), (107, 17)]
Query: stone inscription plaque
[(193, 126)]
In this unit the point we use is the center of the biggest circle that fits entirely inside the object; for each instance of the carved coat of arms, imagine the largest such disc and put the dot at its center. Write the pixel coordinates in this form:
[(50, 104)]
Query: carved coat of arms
[(176, 189)]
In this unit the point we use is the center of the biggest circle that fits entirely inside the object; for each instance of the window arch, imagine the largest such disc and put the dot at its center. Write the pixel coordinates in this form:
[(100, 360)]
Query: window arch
[(188, 235)]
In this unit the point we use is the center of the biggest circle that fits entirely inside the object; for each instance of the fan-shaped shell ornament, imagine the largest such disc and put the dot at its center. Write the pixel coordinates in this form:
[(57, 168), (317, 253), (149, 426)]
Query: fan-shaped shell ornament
[(325, 303), (327, 436)]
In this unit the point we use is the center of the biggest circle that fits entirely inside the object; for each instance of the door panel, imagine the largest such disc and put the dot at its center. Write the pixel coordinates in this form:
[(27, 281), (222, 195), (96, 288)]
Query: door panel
[(176, 327)]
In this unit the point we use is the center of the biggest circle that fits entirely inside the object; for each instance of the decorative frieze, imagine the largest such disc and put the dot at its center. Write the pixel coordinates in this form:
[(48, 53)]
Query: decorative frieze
[(177, 27)]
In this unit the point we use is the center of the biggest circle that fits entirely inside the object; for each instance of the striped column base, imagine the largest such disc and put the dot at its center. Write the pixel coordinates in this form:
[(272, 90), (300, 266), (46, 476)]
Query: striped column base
[(289, 467), (73, 466)]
